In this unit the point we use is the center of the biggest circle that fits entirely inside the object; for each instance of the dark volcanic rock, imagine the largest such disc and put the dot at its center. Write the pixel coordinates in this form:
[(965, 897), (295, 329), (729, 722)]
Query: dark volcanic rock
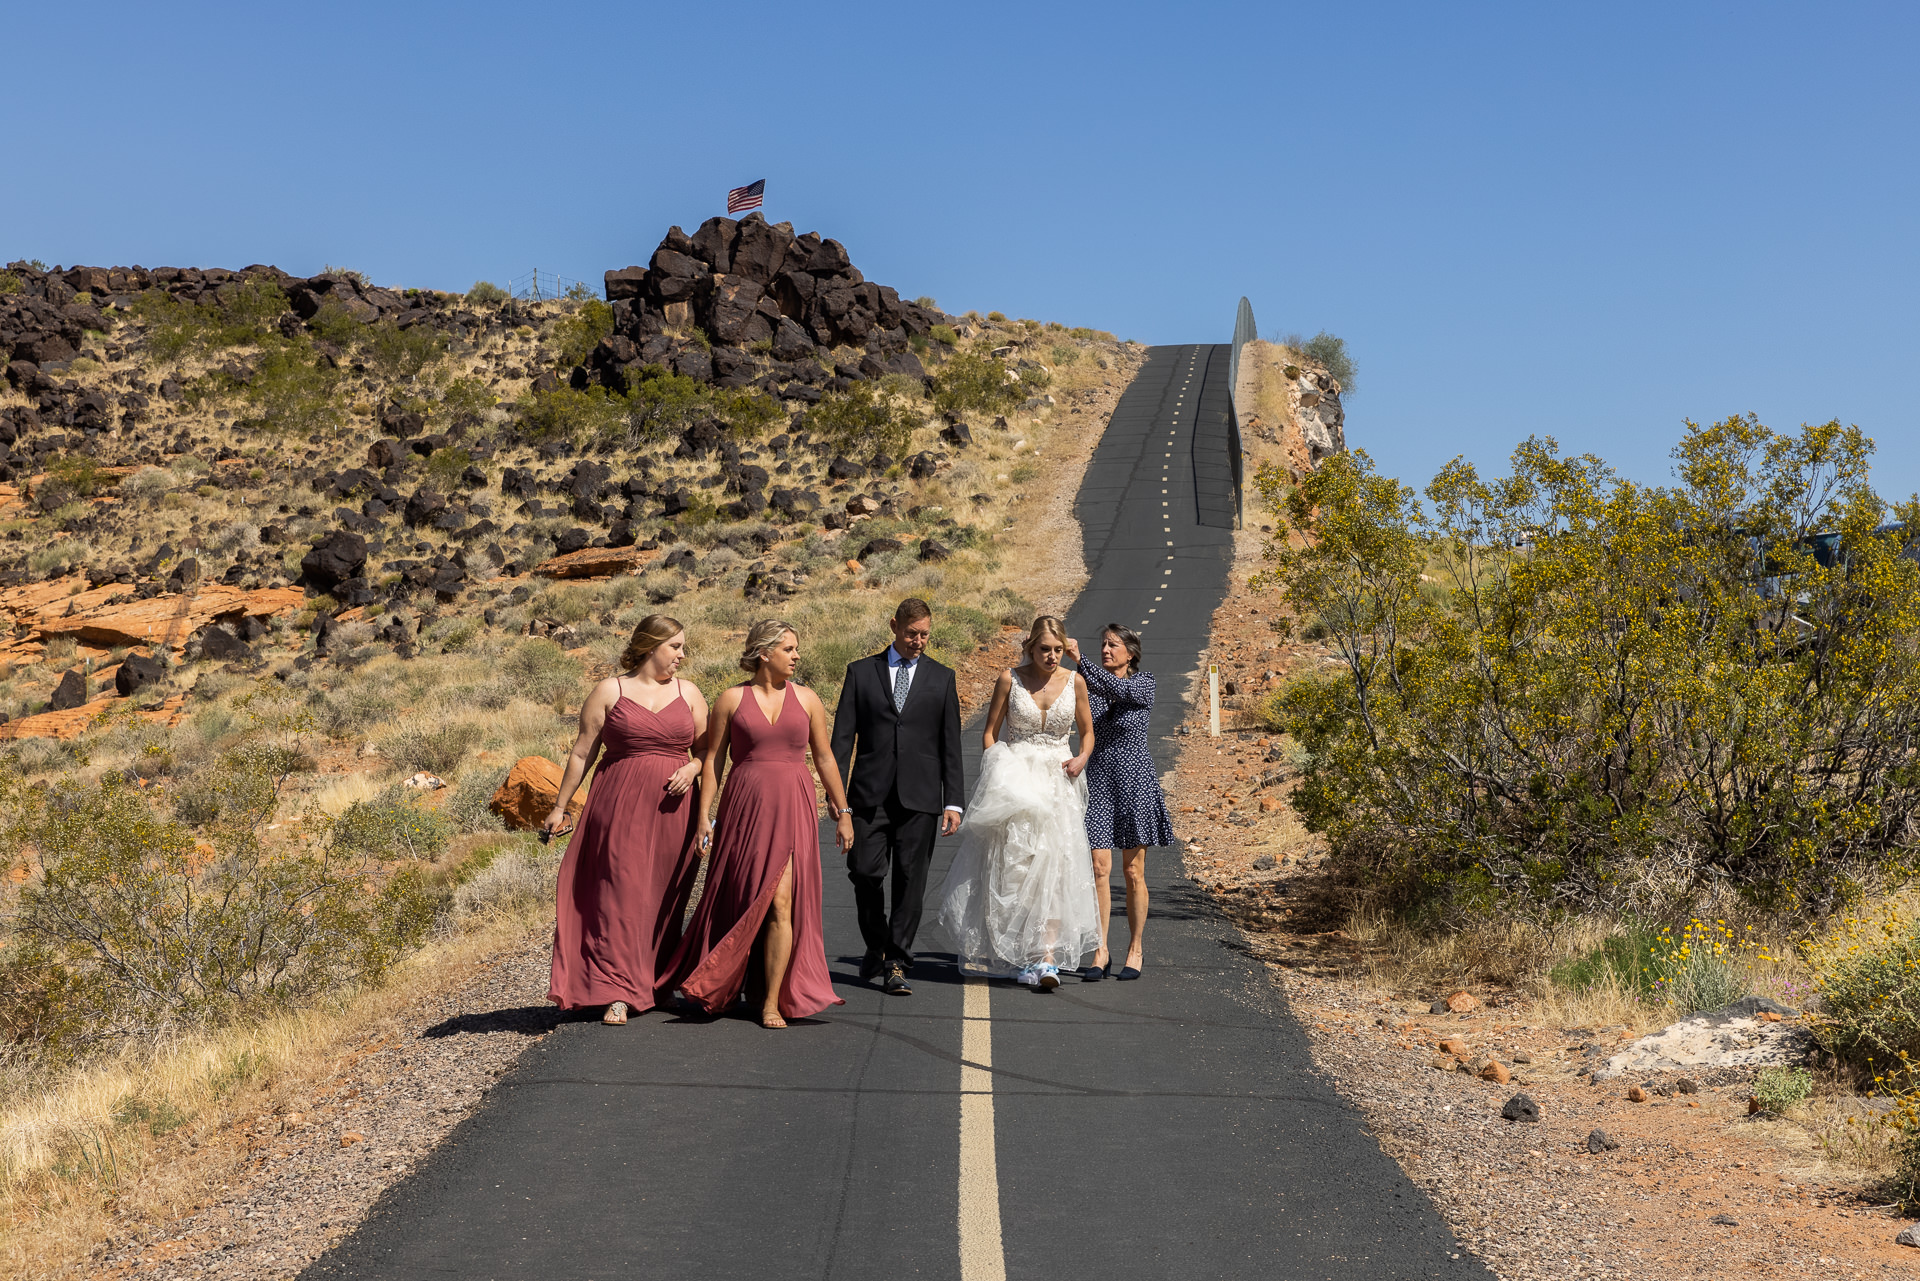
[(423, 506), (334, 559), (70, 693), (877, 546), (571, 540), (844, 468), (216, 644)]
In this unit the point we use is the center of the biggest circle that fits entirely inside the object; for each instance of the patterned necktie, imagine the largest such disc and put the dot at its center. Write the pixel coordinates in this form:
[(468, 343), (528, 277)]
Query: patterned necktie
[(900, 680)]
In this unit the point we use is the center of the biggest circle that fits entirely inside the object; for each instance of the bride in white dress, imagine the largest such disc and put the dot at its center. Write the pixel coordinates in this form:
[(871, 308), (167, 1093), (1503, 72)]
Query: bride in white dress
[(1019, 899)]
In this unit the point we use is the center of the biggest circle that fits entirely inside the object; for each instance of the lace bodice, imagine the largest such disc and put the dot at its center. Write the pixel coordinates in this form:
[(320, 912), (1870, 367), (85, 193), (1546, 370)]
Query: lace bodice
[(1026, 722)]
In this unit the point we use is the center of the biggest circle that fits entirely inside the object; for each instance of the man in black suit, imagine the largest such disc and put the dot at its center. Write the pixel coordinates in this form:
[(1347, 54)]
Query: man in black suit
[(904, 785)]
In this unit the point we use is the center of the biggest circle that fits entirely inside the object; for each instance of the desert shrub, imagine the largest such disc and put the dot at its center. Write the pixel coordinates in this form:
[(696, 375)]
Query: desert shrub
[(958, 628), (467, 807), (1866, 969), (976, 383), (397, 354), (445, 466), (345, 711), (177, 328), (576, 335), (746, 413), (9, 282), (436, 750), (129, 925), (146, 484), (541, 671), (335, 324), (944, 335), (514, 881), (1613, 708), (1012, 609), (862, 419), (81, 475), (462, 399), (1708, 966), (1065, 353), (567, 414), (1329, 353), (485, 293), (659, 403), (290, 391), (1780, 1088), (396, 823)]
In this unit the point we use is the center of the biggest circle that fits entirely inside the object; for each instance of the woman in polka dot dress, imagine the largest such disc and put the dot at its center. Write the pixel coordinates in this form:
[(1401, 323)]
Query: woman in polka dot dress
[(1125, 808)]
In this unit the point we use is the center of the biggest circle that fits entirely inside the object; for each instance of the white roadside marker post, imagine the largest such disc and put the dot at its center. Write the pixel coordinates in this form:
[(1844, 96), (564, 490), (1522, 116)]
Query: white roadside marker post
[(1213, 699)]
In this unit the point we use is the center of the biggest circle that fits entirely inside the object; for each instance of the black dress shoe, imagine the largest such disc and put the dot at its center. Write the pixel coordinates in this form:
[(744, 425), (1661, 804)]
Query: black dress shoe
[(871, 967), (896, 984)]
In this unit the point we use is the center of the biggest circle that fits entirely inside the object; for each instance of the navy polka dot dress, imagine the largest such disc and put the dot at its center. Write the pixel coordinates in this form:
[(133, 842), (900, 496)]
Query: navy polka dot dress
[(1125, 807)]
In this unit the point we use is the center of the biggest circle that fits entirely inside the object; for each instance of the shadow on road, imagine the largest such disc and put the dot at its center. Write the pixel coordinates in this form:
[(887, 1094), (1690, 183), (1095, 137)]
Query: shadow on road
[(527, 1020)]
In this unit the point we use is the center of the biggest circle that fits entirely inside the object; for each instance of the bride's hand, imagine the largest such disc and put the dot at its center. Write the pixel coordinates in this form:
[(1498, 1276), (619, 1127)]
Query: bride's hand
[(1074, 765)]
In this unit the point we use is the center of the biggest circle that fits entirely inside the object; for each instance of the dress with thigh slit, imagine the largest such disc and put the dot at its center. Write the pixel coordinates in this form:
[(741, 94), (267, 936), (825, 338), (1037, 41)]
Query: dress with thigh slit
[(630, 866), (768, 818)]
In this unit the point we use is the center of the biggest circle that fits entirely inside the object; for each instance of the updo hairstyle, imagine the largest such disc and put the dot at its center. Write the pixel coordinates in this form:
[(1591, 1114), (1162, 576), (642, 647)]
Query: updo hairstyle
[(764, 635), (653, 631), (1045, 625)]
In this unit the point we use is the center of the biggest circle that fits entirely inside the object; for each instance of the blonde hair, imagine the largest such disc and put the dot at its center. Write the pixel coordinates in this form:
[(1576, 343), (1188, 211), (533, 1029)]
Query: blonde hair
[(653, 631), (763, 636), (1045, 625)]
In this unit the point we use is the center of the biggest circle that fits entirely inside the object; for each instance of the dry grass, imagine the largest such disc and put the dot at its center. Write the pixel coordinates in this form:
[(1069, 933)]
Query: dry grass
[(75, 1156)]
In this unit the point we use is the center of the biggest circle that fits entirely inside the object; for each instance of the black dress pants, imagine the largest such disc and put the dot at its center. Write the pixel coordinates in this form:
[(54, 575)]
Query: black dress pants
[(890, 836)]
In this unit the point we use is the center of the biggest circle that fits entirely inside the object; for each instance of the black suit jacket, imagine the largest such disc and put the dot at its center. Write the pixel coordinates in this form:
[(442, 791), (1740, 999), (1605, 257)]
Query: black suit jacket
[(913, 754)]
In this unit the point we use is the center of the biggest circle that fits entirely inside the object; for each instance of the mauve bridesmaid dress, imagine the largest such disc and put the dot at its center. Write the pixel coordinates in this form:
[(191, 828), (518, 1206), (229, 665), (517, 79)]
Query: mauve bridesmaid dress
[(631, 865), (768, 818)]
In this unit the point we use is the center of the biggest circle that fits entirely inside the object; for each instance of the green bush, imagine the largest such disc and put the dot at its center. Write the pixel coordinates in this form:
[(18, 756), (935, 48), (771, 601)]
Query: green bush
[(543, 671), (1780, 1088), (334, 323), (394, 824), (445, 466), (863, 419), (128, 926), (1624, 959), (9, 283), (1867, 972), (575, 336), (176, 328), (959, 628), (292, 392), (1612, 707), (1329, 353), (974, 383), (944, 335), (468, 808), (397, 354), (486, 294), (436, 750)]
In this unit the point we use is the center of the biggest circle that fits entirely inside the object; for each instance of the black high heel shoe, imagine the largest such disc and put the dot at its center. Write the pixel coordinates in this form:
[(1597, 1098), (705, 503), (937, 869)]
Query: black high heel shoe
[(1093, 973), (1127, 973)]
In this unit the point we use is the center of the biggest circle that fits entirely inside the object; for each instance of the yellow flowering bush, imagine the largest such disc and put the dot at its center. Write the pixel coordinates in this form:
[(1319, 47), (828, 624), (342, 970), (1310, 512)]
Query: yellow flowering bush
[(1866, 970), (1560, 689), (1706, 966)]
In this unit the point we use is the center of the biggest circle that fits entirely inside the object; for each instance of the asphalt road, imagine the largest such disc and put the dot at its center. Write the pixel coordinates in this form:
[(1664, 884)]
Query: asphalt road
[(1171, 1127)]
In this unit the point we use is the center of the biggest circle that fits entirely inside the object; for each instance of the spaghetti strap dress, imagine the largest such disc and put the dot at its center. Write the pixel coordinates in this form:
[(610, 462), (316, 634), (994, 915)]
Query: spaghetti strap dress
[(768, 818), (631, 865)]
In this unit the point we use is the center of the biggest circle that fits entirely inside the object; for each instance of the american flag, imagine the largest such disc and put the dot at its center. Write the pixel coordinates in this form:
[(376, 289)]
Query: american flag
[(741, 199)]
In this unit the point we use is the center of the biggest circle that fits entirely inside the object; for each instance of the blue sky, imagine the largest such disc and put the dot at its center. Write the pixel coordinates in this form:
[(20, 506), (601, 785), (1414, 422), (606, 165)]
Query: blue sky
[(1590, 222)]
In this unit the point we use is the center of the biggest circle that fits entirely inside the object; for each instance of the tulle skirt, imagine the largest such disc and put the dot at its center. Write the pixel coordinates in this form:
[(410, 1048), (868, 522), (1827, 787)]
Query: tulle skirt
[(1020, 891)]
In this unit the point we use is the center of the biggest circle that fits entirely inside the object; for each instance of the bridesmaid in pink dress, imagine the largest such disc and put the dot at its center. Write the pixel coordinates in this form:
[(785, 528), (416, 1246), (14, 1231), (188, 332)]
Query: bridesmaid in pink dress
[(763, 877), (633, 860)]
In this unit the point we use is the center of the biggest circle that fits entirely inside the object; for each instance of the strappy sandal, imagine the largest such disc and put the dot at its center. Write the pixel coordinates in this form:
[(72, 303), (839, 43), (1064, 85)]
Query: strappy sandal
[(616, 1015)]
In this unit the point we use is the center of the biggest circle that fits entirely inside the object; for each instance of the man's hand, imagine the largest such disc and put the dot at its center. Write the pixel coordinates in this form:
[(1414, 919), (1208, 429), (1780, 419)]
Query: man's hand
[(949, 822)]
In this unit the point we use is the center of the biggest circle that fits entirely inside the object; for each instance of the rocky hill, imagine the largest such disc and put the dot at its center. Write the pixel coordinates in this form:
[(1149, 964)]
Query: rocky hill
[(354, 467)]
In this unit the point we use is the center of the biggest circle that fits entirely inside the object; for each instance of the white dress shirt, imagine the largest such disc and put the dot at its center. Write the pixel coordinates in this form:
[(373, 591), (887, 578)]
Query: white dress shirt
[(894, 664)]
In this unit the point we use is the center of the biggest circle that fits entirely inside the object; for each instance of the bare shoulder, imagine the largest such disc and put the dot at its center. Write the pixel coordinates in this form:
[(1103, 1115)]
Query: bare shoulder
[(691, 692), (809, 700), (604, 693), (1004, 684), (729, 699)]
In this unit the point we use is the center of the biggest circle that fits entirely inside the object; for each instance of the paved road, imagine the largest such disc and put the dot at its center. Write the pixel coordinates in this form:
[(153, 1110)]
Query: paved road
[(1171, 1127)]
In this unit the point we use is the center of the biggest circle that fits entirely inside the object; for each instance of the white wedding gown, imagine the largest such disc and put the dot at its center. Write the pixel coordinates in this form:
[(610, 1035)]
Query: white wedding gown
[(1020, 891)]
